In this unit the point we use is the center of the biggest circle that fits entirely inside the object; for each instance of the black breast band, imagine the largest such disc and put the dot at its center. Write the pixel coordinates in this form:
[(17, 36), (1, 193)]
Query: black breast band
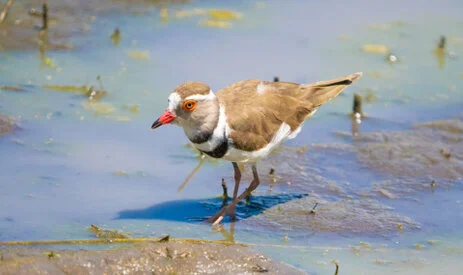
[(219, 151)]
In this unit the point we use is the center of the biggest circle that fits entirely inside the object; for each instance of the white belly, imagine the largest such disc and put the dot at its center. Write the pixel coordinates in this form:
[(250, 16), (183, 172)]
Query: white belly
[(236, 155)]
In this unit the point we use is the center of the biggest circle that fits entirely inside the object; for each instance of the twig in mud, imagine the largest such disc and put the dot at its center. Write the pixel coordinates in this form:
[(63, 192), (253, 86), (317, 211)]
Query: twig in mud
[(116, 36), (225, 190), (201, 161), (442, 42), (337, 267), (357, 114), (225, 193), (357, 107), (272, 172), (440, 52), (5, 10), (44, 16), (313, 209), (164, 239)]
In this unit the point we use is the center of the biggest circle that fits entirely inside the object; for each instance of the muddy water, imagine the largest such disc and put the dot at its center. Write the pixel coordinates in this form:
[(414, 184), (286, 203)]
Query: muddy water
[(68, 163)]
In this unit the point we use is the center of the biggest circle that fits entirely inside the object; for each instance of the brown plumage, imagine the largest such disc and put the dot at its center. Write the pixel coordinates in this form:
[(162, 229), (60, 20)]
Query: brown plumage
[(192, 88), (256, 109)]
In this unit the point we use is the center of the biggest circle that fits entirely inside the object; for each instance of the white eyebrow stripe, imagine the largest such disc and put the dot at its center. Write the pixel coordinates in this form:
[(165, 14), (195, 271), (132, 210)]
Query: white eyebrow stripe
[(174, 100), (209, 96)]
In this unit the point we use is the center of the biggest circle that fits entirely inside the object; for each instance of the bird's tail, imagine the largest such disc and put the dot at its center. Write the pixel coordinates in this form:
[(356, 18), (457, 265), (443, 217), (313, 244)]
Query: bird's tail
[(319, 93)]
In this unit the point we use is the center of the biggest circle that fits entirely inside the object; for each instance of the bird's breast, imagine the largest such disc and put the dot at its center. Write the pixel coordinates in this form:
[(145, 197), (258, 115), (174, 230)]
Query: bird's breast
[(218, 151)]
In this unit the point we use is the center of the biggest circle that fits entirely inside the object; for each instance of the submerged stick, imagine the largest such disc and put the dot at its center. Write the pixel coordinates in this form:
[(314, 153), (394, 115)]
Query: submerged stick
[(357, 107), (192, 173), (225, 189), (442, 42), (116, 36), (313, 209), (225, 193), (5, 10), (337, 267), (357, 114), (272, 172), (44, 16)]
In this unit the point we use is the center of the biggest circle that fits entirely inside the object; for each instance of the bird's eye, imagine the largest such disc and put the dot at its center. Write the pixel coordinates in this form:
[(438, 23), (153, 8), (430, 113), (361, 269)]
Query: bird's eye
[(189, 105)]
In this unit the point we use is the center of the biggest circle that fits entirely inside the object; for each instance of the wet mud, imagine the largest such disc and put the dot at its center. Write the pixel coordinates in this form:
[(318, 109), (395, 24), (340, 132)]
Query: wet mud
[(22, 28), (344, 216), (149, 258), (433, 150), (426, 157), (6, 124)]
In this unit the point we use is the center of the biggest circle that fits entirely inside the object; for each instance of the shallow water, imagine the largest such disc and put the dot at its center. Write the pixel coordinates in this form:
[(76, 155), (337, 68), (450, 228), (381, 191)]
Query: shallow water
[(58, 168)]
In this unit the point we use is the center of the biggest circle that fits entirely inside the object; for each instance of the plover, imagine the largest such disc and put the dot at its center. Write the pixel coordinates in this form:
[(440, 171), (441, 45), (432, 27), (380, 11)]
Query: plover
[(245, 121)]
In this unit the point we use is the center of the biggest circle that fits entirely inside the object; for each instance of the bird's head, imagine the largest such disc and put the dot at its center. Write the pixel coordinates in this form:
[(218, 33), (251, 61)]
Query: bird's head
[(192, 106)]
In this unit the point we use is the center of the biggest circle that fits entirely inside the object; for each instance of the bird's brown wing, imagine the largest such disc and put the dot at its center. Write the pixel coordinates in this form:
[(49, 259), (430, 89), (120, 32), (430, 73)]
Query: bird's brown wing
[(256, 109)]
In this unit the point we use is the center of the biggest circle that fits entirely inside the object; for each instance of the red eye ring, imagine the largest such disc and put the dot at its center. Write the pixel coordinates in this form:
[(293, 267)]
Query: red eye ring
[(189, 105)]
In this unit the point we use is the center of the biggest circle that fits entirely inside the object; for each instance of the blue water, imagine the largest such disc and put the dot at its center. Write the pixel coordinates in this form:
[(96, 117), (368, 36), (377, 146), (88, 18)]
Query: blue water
[(57, 170)]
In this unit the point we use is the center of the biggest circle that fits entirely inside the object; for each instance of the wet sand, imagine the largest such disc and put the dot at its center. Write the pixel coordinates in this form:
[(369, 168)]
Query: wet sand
[(171, 257)]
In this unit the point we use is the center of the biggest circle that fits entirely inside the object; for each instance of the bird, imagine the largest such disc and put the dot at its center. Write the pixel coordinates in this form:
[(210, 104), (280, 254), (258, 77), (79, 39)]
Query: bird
[(245, 121)]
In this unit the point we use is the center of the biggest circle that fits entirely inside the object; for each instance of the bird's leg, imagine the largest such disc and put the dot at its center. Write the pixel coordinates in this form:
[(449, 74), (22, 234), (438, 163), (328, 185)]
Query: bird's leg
[(235, 191), (235, 194), (217, 218)]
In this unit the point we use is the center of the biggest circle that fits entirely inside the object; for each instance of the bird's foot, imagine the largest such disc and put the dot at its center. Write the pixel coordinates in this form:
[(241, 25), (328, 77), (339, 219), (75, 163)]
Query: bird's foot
[(218, 217)]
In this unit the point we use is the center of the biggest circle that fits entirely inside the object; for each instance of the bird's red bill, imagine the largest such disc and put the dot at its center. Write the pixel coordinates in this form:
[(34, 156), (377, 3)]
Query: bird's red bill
[(165, 118)]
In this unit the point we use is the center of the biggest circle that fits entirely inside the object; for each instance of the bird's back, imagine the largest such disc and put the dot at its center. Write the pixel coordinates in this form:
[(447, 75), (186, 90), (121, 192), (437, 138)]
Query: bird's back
[(256, 109)]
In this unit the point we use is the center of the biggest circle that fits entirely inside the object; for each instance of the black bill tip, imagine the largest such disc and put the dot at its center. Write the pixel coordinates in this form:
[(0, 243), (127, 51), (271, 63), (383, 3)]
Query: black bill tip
[(156, 124)]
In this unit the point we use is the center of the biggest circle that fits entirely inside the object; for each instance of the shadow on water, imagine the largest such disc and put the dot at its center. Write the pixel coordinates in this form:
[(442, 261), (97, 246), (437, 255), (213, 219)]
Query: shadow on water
[(198, 210)]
